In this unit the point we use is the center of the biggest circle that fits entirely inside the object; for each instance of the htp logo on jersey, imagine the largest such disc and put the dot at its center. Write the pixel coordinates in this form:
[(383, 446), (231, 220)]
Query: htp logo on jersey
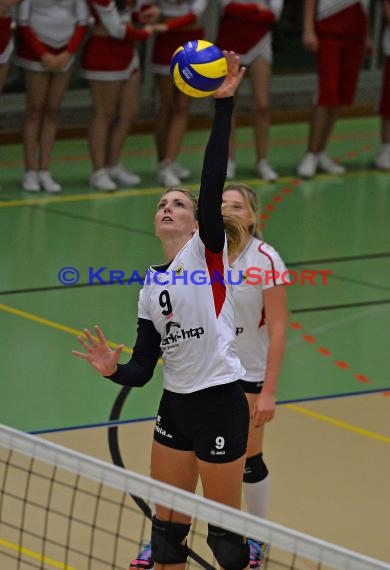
[(174, 333)]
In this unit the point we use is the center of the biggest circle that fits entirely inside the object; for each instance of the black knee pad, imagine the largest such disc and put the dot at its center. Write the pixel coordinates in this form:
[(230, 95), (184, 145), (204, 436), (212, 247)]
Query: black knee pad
[(231, 550), (167, 538), (255, 469)]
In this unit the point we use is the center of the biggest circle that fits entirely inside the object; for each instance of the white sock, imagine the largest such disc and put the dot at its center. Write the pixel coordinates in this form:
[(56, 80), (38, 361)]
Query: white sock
[(257, 497)]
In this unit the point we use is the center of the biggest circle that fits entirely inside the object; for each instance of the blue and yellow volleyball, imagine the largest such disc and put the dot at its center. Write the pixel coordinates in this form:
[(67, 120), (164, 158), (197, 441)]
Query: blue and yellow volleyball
[(198, 68)]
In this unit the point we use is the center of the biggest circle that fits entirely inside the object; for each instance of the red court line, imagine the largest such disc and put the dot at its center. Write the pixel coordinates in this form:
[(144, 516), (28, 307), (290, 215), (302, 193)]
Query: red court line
[(307, 337), (200, 148)]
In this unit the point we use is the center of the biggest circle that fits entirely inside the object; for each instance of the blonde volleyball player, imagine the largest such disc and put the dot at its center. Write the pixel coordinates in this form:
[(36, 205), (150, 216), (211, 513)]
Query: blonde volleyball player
[(203, 417), (6, 41), (383, 159), (337, 32), (49, 34), (110, 62), (261, 318), (180, 23), (246, 28)]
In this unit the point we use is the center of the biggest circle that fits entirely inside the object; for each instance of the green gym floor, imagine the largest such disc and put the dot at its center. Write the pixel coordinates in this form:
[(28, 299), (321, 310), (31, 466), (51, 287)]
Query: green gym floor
[(328, 448)]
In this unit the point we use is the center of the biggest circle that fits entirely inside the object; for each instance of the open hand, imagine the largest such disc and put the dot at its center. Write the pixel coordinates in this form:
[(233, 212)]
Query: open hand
[(99, 354), (233, 77)]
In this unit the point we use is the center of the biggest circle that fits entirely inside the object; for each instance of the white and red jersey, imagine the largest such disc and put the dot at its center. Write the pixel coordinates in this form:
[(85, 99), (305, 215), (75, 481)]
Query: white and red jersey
[(195, 321), (117, 23), (258, 261), (326, 8), (112, 57), (177, 8), (246, 30), (182, 20), (53, 22), (246, 10)]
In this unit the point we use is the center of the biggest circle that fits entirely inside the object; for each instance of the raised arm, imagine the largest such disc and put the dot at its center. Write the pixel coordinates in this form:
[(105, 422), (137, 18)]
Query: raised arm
[(211, 229)]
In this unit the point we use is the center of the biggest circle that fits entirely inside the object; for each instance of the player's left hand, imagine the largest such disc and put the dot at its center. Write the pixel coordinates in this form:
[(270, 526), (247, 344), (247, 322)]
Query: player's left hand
[(233, 78), (263, 410)]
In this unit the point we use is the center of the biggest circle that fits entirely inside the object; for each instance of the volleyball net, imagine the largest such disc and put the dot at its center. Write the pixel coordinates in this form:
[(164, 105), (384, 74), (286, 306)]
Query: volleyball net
[(62, 509)]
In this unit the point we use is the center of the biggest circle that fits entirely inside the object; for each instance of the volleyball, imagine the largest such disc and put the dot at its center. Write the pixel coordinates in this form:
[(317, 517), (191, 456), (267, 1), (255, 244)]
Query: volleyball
[(198, 68)]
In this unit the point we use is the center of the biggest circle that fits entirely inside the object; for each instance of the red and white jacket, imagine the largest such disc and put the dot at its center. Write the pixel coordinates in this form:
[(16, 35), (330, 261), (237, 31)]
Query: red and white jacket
[(178, 14), (55, 23), (243, 25), (326, 8), (117, 24)]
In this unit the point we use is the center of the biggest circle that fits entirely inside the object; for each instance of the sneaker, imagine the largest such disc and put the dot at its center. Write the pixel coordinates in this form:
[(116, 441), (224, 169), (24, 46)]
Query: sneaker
[(47, 183), (328, 165), (123, 177), (180, 171), (308, 165), (30, 182), (257, 553), (265, 171), (144, 559), (166, 175), (383, 159), (101, 181), (231, 169)]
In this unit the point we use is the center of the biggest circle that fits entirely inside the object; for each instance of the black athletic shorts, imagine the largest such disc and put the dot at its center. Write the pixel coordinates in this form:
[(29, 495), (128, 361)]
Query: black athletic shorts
[(212, 422), (251, 387)]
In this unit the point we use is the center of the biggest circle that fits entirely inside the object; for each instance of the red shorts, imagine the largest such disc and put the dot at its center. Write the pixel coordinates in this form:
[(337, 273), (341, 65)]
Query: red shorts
[(384, 106), (5, 33), (104, 53), (27, 58), (166, 44), (238, 35), (340, 55), (105, 58), (6, 43)]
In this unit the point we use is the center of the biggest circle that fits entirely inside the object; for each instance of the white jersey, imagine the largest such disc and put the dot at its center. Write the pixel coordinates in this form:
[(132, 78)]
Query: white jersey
[(195, 321), (177, 8), (275, 5), (326, 8), (258, 260), (53, 21)]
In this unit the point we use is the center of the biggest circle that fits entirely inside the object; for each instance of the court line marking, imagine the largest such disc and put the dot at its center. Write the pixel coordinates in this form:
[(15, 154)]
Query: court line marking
[(159, 190), (113, 423), (35, 555), (77, 332), (58, 326), (149, 151), (54, 325), (84, 197), (339, 423)]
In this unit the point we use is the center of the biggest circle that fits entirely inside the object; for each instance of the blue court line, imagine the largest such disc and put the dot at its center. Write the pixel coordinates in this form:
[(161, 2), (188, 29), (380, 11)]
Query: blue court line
[(148, 419)]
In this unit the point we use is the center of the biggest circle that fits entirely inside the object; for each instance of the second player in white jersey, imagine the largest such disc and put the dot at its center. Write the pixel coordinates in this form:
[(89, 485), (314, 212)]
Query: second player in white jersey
[(266, 270), (261, 317)]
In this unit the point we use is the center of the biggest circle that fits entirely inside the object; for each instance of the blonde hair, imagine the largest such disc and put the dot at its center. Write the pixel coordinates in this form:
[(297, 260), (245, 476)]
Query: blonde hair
[(251, 202), (187, 193), (236, 229)]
